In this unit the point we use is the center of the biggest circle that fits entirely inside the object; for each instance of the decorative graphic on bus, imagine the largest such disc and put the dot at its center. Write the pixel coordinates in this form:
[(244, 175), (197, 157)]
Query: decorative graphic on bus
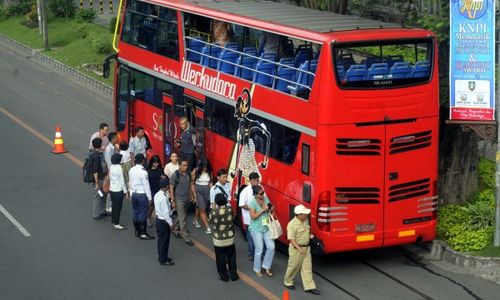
[(245, 161)]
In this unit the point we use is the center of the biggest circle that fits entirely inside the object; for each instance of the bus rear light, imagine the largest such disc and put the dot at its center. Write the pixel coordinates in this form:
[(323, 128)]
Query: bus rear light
[(323, 207)]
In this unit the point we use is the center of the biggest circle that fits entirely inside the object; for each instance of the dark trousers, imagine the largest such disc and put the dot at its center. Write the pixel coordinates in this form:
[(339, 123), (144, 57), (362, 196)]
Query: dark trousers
[(163, 231), (140, 206), (190, 159), (226, 256), (117, 202)]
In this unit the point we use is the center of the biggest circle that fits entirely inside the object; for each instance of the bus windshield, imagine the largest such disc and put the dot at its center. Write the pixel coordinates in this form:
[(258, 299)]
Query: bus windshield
[(383, 64)]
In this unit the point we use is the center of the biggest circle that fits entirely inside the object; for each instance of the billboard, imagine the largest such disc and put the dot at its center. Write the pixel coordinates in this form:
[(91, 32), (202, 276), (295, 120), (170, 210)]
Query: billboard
[(472, 60)]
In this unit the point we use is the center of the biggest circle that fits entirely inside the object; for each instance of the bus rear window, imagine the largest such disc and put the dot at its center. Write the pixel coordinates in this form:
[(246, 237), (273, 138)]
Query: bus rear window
[(383, 64)]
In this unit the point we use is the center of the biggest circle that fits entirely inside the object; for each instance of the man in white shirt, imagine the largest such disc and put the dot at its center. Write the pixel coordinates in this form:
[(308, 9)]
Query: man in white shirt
[(221, 186), (138, 144), (164, 222), (245, 197), (141, 197)]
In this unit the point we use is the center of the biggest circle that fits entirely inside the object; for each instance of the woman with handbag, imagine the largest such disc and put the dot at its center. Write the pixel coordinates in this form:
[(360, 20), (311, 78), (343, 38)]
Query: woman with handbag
[(260, 207)]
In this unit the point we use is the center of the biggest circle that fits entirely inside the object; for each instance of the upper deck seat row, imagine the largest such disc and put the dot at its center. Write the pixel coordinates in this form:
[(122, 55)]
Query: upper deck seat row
[(289, 75), (383, 70)]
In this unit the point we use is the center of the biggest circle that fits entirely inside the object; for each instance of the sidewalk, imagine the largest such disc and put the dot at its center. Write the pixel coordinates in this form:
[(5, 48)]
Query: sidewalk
[(104, 18)]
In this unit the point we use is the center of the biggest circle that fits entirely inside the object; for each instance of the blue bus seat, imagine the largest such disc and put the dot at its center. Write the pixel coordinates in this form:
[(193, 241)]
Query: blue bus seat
[(356, 73), (233, 46), (263, 79), (302, 56), (378, 71), (248, 62), (196, 44), (227, 62), (284, 73), (214, 52), (205, 52), (250, 50), (400, 69), (340, 72), (421, 69), (301, 80), (289, 61), (268, 56)]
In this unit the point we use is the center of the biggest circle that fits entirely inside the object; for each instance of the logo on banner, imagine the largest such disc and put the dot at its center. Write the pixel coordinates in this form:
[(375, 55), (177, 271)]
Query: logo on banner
[(472, 85), (473, 9)]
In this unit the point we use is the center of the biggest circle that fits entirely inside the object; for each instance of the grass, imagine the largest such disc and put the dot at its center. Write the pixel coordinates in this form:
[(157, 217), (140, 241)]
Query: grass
[(490, 251), (64, 43)]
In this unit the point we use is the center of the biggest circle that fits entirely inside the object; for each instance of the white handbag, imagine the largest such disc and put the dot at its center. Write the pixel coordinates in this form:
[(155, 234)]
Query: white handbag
[(275, 229)]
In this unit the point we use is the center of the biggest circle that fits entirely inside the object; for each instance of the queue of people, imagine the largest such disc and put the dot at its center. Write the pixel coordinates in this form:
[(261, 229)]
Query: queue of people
[(156, 191)]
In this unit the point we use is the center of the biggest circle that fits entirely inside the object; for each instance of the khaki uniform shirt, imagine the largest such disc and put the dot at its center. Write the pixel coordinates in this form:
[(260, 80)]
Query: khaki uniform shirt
[(299, 231)]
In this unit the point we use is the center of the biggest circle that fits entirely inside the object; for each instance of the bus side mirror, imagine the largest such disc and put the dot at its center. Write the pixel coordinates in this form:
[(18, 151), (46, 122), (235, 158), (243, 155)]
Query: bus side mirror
[(105, 69)]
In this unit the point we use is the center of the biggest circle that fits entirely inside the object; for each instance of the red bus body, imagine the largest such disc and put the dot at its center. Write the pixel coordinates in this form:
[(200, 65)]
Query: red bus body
[(364, 199)]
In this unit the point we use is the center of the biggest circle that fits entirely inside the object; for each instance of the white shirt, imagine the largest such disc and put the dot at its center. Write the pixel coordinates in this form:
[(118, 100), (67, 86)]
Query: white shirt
[(137, 145), (125, 156), (108, 152), (215, 190), (170, 168), (204, 179), (116, 179), (139, 182), (245, 197), (162, 206)]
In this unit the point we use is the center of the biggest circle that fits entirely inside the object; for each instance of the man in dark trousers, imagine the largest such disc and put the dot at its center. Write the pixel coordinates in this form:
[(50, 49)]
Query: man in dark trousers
[(187, 143), (141, 196), (164, 222), (97, 171)]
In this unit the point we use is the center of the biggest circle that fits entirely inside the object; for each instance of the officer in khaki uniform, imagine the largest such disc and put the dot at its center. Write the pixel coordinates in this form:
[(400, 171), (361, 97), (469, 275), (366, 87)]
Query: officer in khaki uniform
[(299, 251)]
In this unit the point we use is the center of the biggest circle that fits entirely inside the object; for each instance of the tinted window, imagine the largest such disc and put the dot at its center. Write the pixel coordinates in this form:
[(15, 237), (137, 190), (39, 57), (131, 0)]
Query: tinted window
[(284, 140), (151, 27), (383, 64)]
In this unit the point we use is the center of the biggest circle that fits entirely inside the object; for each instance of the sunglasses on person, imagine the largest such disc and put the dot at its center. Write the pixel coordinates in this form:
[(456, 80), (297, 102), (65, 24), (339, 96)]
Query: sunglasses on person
[(261, 194)]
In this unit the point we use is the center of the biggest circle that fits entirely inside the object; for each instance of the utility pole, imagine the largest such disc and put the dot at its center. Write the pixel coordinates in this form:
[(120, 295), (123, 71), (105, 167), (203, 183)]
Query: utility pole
[(39, 13), (43, 7), (496, 240)]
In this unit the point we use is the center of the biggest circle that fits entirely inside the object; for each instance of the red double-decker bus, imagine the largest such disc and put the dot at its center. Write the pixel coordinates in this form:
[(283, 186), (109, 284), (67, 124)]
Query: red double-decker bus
[(337, 113)]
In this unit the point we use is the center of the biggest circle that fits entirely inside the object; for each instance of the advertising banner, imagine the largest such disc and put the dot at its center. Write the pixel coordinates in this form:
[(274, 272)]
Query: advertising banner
[(472, 60)]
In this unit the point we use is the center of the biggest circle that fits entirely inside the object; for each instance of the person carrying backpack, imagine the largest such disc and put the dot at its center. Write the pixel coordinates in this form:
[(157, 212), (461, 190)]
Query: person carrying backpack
[(181, 191), (95, 176), (222, 186)]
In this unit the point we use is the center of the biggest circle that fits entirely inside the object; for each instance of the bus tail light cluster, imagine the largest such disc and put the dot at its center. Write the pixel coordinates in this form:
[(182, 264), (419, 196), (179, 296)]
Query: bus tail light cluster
[(323, 211)]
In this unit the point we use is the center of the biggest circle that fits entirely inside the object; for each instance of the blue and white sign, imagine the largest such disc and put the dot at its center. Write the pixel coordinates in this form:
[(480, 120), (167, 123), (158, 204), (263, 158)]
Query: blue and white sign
[(472, 60)]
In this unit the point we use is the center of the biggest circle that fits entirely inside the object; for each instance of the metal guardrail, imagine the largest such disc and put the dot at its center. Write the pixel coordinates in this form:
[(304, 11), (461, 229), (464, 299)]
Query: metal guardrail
[(55, 64), (277, 64)]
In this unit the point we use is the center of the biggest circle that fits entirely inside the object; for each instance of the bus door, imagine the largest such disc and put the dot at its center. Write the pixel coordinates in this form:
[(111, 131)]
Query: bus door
[(200, 133), (411, 161), (169, 127), (357, 179), (122, 111)]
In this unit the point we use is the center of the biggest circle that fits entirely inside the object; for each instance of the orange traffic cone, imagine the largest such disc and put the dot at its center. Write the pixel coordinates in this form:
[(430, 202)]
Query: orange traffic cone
[(285, 295), (58, 142)]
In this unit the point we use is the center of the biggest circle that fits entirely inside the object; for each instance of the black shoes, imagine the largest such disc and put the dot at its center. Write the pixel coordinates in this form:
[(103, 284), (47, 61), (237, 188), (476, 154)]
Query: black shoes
[(100, 219), (313, 291), (167, 263), (190, 243), (234, 277), (290, 287)]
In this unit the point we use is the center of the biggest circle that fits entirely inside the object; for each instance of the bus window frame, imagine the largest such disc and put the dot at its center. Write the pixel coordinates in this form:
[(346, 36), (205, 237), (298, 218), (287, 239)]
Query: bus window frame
[(430, 40)]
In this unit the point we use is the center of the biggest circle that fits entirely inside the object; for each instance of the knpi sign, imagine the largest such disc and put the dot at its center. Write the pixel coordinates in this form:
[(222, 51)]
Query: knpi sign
[(472, 60)]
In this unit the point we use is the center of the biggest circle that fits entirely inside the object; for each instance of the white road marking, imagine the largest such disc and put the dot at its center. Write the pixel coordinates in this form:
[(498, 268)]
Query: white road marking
[(15, 222)]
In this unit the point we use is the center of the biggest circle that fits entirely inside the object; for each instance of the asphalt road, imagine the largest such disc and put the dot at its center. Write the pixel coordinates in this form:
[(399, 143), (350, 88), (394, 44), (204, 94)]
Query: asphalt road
[(70, 256)]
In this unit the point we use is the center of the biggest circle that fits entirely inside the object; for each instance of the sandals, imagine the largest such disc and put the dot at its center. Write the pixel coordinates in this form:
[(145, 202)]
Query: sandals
[(259, 274), (269, 272)]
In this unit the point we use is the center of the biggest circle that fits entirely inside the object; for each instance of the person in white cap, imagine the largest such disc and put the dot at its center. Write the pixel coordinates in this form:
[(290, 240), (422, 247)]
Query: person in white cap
[(299, 251)]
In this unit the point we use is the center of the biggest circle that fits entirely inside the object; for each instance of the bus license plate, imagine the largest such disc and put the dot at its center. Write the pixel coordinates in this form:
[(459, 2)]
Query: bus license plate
[(365, 227)]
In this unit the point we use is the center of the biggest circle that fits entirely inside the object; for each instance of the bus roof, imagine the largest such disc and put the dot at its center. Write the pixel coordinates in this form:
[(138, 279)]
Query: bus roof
[(291, 16)]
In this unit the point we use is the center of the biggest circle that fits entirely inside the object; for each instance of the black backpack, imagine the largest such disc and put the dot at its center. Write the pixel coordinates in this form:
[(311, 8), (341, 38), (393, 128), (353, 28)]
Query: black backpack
[(87, 175)]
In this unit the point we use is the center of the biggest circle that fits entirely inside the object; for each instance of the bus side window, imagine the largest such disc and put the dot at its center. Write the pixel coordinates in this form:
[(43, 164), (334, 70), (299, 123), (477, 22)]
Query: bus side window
[(305, 158)]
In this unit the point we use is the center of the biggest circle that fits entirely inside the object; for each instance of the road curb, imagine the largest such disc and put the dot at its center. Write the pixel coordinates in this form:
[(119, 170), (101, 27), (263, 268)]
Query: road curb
[(484, 267), (55, 65)]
